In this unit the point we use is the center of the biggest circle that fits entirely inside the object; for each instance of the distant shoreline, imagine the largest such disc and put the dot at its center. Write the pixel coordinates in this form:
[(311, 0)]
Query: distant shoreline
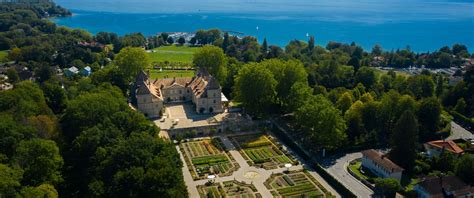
[(390, 36)]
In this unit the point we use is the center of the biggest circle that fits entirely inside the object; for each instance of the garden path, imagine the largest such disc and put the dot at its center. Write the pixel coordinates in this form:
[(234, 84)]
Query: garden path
[(239, 175)]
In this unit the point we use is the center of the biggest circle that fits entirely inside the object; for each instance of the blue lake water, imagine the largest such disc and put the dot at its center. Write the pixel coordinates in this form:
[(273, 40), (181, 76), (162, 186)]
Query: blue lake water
[(421, 24)]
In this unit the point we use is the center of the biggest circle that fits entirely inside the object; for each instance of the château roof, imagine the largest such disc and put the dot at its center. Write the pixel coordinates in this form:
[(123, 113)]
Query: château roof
[(199, 84)]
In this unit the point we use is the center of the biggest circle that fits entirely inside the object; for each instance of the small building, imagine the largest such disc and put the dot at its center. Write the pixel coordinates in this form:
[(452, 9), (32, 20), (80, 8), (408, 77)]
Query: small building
[(70, 72), (380, 165), (444, 186), (86, 71), (437, 147)]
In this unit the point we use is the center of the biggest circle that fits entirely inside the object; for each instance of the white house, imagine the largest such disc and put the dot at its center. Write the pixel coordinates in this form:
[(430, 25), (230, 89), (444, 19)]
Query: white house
[(380, 165)]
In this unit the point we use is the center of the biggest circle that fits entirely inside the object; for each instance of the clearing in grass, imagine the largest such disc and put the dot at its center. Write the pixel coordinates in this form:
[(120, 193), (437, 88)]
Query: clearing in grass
[(173, 54)]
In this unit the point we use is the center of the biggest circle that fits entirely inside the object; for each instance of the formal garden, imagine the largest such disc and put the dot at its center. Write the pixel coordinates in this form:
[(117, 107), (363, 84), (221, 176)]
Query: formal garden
[(262, 151), (295, 184), (207, 157), (228, 189)]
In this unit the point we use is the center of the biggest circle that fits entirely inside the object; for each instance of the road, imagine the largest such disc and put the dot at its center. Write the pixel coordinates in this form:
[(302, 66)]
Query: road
[(337, 167), (457, 132)]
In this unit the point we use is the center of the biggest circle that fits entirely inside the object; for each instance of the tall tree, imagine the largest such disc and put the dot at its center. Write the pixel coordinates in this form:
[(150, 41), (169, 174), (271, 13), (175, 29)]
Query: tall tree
[(322, 123), (41, 161), (131, 60), (255, 87), (286, 73), (212, 59), (404, 141), (465, 168), (429, 114), (310, 45)]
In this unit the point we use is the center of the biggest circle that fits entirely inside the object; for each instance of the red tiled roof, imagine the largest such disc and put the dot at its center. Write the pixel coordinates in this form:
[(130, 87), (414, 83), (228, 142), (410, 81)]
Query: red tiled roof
[(381, 160), (449, 145)]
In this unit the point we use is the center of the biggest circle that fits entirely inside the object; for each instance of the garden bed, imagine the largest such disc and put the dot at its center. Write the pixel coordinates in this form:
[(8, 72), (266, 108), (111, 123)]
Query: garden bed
[(295, 184), (207, 156), (260, 150), (228, 189)]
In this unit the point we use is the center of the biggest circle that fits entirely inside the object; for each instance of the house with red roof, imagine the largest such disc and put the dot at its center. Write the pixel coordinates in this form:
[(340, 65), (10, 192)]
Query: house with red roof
[(437, 147)]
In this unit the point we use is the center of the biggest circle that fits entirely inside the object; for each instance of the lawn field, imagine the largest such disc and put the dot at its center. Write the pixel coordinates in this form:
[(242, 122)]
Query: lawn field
[(260, 151), (294, 185), (172, 54), (3, 56), (228, 189), (206, 157), (155, 73)]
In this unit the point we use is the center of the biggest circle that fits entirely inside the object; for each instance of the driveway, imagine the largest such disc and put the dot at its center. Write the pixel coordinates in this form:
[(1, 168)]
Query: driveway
[(337, 167), (458, 132)]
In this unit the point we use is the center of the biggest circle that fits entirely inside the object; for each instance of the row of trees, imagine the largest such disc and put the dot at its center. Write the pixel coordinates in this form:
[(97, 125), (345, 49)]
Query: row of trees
[(77, 137)]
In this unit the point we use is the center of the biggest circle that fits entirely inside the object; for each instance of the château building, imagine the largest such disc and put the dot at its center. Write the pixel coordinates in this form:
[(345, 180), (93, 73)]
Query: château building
[(202, 90)]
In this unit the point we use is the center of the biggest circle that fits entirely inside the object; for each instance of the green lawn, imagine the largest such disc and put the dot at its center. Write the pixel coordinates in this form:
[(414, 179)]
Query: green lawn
[(355, 168), (154, 74), (182, 54), (3, 56)]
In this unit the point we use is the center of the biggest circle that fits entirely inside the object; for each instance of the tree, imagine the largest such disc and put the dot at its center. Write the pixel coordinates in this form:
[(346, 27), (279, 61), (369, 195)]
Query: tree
[(170, 40), (41, 161), (212, 59), (10, 179), (377, 50), (344, 102), (366, 76), (264, 46), (421, 86), (321, 122), (460, 106), (15, 55), (354, 120), (299, 94), (404, 141), (46, 127), (429, 113), (439, 85), (12, 75), (55, 96), (140, 166), (181, 40), (310, 44), (43, 190), (286, 73), (465, 168), (387, 187), (255, 87), (193, 41), (130, 61)]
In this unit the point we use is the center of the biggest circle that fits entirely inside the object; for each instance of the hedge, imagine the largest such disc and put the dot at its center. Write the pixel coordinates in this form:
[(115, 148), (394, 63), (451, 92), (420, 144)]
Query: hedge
[(463, 119)]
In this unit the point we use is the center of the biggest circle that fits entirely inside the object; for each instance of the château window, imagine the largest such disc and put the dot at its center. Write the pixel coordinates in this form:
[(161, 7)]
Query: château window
[(214, 101)]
